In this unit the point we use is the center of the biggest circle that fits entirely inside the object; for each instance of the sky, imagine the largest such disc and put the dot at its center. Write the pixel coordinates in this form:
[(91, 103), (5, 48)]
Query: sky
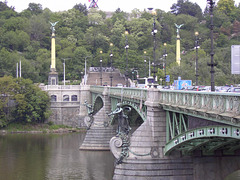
[(104, 5)]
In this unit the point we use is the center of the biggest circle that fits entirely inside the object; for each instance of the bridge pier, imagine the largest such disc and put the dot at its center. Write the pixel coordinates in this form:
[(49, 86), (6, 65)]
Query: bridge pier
[(146, 159), (100, 132), (185, 135), (84, 95)]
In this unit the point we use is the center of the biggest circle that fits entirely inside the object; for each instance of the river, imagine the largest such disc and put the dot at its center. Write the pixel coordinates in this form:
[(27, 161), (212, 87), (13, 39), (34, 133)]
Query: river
[(52, 157), (55, 157)]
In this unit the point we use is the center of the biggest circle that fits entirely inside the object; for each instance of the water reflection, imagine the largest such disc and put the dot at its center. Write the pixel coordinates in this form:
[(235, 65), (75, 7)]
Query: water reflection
[(52, 157)]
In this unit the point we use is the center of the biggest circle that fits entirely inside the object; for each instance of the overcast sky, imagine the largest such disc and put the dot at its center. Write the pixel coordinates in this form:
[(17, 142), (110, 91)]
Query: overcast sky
[(105, 5)]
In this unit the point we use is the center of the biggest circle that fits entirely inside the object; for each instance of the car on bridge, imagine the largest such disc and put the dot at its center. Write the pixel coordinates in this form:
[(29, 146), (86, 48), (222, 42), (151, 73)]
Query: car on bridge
[(222, 88), (234, 89), (119, 85), (188, 88)]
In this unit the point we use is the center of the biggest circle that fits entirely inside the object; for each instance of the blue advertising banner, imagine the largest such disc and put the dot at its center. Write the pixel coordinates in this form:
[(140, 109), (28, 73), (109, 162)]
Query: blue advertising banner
[(167, 78), (179, 84)]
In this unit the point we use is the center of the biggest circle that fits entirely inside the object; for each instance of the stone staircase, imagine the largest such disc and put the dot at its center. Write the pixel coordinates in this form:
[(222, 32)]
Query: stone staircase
[(94, 78), (99, 135)]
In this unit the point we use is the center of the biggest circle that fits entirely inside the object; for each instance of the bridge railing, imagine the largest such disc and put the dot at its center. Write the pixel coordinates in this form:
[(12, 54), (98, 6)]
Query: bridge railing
[(130, 93), (209, 103), (212, 105), (61, 87)]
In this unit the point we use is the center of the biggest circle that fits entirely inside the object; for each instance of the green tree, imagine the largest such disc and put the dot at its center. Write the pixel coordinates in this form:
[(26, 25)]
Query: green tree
[(141, 29), (32, 104), (16, 23), (40, 30), (119, 15), (226, 6), (7, 87), (81, 8), (187, 7), (35, 8)]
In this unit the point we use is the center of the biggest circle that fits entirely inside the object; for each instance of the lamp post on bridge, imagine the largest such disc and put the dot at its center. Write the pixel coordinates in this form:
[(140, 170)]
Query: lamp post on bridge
[(64, 72), (126, 47), (101, 68), (149, 65), (154, 32), (111, 55), (85, 73), (165, 63), (196, 47), (212, 63)]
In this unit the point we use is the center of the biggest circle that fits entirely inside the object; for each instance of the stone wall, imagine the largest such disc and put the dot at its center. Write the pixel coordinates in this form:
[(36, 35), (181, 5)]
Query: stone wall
[(67, 110)]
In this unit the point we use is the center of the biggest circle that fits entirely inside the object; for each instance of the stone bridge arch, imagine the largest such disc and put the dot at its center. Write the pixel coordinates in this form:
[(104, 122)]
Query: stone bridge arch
[(98, 102), (135, 117)]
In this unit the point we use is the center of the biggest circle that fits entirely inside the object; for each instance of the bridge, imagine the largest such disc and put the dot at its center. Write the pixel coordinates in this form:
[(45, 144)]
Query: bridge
[(180, 134)]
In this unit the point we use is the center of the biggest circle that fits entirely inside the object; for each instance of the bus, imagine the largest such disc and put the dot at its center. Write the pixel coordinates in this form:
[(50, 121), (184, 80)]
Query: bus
[(145, 82)]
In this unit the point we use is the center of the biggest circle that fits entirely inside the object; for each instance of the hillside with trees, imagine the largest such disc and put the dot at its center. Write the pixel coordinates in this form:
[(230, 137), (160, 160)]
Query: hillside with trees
[(83, 32)]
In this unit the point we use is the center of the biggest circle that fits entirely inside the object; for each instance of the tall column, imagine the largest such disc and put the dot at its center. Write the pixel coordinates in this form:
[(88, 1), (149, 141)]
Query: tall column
[(53, 75), (178, 56), (53, 53)]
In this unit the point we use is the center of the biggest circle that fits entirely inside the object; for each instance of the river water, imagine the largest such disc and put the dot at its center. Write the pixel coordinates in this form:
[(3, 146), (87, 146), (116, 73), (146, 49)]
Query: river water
[(55, 157), (52, 157)]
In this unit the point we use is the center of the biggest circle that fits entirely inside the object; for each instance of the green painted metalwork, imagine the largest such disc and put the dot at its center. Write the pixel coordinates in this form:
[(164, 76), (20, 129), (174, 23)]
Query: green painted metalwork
[(218, 107), (133, 97), (175, 125), (217, 137), (223, 108)]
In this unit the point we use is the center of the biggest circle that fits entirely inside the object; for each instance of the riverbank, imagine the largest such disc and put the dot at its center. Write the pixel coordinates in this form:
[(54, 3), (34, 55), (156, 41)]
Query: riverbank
[(39, 128)]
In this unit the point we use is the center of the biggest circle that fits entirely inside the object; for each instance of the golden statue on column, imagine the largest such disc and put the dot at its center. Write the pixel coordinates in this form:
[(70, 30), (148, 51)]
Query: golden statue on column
[(53, 75), (53, 51), (178, 57)]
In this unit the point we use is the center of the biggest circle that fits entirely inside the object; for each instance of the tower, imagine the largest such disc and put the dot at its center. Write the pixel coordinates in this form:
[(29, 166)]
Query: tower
[(93, 4), (53, 75)]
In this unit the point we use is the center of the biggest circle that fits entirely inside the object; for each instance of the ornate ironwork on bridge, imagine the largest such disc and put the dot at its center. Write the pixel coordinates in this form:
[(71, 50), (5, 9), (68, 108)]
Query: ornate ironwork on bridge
[(132, 97), (203, 122), (218, 107), (176, 123)]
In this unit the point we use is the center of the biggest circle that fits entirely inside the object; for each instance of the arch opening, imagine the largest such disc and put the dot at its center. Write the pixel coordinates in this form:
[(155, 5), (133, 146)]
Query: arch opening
[(233, 176), (134, 118)]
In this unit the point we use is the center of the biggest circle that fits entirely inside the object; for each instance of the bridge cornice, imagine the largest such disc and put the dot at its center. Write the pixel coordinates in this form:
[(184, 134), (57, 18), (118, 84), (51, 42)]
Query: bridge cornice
[(214, 106)]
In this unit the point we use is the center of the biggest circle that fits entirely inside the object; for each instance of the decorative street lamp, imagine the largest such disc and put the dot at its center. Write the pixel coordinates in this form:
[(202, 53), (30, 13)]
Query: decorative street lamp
[(126, 47), (111, 55), (145, 67), (165, 63), (149, 64), (101, 68), (196, 47), (154, 32), (64, 72), (85, 69), (212, 64)]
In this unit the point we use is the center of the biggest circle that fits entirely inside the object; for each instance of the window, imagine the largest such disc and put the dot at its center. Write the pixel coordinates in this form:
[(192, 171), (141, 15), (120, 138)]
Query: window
[(53, 81), (74, 98), (65, 97), (53, 98)]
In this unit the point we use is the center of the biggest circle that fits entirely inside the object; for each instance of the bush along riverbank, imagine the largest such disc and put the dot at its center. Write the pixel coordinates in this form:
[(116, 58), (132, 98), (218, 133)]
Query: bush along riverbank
[(39, 128)]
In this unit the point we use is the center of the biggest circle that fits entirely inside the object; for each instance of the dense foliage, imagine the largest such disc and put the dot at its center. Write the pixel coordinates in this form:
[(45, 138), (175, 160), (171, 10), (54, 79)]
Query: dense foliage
[(22, 101), (83, 32)]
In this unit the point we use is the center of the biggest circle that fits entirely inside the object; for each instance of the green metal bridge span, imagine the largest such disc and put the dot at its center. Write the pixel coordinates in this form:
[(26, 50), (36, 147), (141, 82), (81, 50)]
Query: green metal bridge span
[(187, 123), (221, 110)]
